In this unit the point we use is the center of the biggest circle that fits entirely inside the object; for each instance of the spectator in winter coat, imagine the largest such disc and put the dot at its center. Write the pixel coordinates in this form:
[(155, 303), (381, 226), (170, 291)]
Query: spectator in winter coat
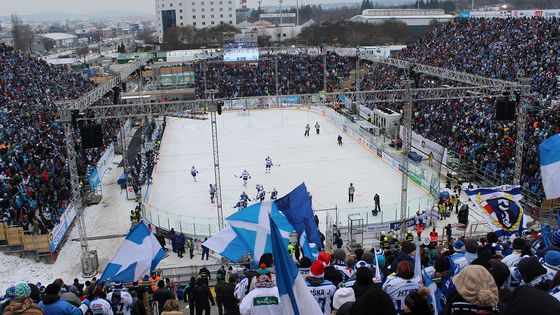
[(477, 293), (406, 253), (534, 274), (22, 304), (202, 296), (188, 295), (53, 305), (265, 290), (171, 307), (162, 294), (229, 301)]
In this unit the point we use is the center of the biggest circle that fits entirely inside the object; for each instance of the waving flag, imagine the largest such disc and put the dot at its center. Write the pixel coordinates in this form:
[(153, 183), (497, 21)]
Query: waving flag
[(228, 244), (549, 152), (253, 230), (137, 256), (501, 207), (417, 262), (435, 294), (309, 249), (296, 206), (294, 294)]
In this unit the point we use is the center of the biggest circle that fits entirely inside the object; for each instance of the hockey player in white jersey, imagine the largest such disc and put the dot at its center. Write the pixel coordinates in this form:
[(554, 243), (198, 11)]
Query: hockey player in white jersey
[(274, 194), (245, 176), (194, 171), (261, 194), (268, 164), (321, 289), (398, 285)]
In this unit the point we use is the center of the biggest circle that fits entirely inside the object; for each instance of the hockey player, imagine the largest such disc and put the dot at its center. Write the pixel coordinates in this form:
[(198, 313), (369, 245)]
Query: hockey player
[(245, 177), (259, 187), (244, 199), (268, 166), (194, 171), (306, 130), (273, 194), (261, 195), (339, 140), (212, 193), (317, 127)]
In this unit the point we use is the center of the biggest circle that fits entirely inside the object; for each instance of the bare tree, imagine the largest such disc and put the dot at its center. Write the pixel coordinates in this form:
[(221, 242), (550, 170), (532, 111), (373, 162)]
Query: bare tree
[(22, 34)]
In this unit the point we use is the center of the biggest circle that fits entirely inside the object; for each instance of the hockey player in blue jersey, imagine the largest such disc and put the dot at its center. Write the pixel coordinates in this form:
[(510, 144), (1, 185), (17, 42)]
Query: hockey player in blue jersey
[(194, 171), (244, 198), (268, 164), (321, 289), (260, 193), (245, 177), (274, 194)]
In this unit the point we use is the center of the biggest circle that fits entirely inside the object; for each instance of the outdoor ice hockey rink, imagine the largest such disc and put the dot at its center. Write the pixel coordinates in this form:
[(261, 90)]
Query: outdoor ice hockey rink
[(245, 140)]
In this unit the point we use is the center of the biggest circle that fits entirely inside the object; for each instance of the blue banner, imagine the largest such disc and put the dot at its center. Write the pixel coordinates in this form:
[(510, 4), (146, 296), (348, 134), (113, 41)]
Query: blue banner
[(94, 180)]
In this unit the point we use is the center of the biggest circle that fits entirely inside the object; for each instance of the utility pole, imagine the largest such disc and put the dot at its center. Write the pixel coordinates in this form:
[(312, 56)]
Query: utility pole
[(407, 144), (276, 74), (325, 71)]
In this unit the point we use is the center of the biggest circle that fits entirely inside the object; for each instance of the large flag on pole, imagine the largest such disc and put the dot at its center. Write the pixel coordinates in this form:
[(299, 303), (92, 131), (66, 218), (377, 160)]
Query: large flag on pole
[(138, 255), (294, 294), (417, 260), (296, 206), (501, 207), (435, 293), (252, 227), (228, 244), (549, 152)]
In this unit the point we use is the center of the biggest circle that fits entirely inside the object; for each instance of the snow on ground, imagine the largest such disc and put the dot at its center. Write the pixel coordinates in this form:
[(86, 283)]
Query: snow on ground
[(244, 143)]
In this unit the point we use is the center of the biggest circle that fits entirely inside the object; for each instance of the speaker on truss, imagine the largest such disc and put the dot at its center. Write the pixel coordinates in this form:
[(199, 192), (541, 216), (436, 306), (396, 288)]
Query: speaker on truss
[(116, 95), (92, 136), (505, 109)]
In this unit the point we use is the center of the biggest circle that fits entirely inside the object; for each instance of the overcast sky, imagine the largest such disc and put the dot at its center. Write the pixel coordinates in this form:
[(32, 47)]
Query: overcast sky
[(83, 6)]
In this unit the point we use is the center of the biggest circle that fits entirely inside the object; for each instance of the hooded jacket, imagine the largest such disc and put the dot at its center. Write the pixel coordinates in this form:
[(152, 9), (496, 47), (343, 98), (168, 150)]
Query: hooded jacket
[(25, 307)]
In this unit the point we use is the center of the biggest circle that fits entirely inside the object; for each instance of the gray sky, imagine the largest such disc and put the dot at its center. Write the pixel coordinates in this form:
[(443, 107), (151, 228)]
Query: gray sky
[(83, 6)]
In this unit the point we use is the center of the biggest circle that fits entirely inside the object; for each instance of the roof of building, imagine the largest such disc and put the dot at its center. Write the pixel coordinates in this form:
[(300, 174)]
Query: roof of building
[(58, 36), (245, 24)]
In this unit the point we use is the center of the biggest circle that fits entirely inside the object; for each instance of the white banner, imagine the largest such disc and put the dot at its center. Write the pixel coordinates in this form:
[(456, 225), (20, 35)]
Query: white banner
[(57, 233), (424, 146), (106, 160)]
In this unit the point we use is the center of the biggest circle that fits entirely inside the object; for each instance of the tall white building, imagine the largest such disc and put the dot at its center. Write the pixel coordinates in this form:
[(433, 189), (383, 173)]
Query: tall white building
[(197, 13)]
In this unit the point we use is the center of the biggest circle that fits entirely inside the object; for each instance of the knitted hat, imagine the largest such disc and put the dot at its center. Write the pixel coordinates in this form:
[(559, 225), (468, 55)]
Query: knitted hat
[(359, 264), (339, 254), (459, 246), (408, 247), (552, 258), (219, 277), (482, 262), (263, 270), (364, 275), (471, 246), (35, 293), (476, 285), (530, 268), (433, 254), (324, 257), (343, 295), (417, 301), (22, 291), (52, 289), (264, 281), (484, 252), (500, 272), (518, 243), (442, 264), (10, 293), (304, 262), (358, 253), (317, 269), (556, 237), (379, 252)]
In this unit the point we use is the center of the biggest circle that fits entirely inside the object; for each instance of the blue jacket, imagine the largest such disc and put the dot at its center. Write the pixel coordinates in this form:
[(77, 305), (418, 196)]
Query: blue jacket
[(60, 307)]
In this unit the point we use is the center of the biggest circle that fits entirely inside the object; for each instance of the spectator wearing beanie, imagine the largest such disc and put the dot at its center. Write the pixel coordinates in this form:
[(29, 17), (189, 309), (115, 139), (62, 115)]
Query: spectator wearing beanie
[(501, 274), (264, 290), (398, 285), (52, 304), (528, 300), (552, 261), (459, 256), (22, 303), (533, 274), (8, 297), (492, 244), (339, 263), (374, 301), (418, 303), (446, 269), (343, 300), (321, 289), (303, 266), (363, 282), (477, 293), (405, 254), (471, 250), (513, 259)]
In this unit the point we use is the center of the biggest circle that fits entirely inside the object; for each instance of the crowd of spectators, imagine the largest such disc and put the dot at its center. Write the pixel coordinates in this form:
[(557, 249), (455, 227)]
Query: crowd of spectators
[(507, 49), (297, 74), (489, 276), (34, 177)]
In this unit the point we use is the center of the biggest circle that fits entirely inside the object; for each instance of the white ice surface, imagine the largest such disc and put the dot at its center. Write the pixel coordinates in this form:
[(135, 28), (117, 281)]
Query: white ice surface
[(244, 143)]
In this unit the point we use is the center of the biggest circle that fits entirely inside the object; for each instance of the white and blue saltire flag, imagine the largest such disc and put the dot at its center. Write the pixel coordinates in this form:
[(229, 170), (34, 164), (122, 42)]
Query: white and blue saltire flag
[(253, 229), (549, 153), (138, 255), (417, 261), (295, 297), (228, 244), (435, 293), (377, 277), (501, 207), (309, 249)]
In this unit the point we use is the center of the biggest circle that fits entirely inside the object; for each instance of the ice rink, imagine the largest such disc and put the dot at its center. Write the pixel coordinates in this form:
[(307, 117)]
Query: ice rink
[(244, 143)]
